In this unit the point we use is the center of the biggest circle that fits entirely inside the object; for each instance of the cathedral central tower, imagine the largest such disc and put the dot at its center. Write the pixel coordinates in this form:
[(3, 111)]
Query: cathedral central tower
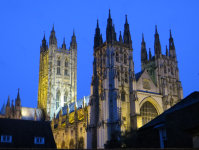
[(57, 75)]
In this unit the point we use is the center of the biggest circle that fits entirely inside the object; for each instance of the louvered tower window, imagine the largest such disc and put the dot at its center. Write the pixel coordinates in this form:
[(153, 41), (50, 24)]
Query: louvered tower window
[(57, 99), (117, 56), (58, 65)]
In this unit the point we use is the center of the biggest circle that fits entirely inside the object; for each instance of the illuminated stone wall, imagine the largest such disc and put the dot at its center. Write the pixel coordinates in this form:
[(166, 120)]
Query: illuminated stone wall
[(57, 75)]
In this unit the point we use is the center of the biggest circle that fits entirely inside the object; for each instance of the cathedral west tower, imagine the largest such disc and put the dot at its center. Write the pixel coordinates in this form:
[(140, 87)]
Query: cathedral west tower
[(111, 83), (57, 75)]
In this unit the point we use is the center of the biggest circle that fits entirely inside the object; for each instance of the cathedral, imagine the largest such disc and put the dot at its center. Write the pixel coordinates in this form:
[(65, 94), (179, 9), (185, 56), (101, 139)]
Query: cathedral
[(120, 99)]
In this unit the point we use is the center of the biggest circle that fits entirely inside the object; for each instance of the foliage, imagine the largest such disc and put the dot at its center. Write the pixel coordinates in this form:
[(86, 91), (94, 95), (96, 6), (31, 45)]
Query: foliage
[(126, 139)]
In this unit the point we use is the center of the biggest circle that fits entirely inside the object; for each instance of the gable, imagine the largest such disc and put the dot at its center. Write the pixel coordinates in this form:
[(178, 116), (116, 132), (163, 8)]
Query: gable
[(145, 83)]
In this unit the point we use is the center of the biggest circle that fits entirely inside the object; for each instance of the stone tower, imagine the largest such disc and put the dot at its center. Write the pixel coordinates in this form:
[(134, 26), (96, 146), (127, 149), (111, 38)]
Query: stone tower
[(57, 74), (163, 70), (110, 87)]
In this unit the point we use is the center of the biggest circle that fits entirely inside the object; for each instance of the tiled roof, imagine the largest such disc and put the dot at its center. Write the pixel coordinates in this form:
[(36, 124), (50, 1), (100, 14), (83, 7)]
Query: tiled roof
[(189, 100), (23, 133)]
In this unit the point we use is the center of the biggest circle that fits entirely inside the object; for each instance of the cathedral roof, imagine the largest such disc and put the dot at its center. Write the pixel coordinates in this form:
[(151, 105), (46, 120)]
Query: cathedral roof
[(29, 113), (72, 106), (189, 100), (3, 110)]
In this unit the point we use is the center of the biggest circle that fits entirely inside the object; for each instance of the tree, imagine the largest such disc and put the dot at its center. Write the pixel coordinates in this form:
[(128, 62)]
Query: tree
[(126, 139)]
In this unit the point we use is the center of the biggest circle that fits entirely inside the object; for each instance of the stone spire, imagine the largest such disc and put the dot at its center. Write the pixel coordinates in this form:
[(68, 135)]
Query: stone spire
[(143, 50), (53, 39), (98, 37), (110, 31), (120, 37), (73, 39), (167, 53), (171, 46), (157, 46), (18, 97), (8, 102), (127, 35), (64, 45)]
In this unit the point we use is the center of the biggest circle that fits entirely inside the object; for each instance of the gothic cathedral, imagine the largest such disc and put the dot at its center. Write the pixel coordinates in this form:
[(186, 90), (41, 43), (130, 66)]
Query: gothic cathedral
[(57, 75)]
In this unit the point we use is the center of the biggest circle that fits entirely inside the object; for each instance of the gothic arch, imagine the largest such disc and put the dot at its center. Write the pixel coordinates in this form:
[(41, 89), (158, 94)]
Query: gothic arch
[(71, 144), (152, 101), (62, 145)]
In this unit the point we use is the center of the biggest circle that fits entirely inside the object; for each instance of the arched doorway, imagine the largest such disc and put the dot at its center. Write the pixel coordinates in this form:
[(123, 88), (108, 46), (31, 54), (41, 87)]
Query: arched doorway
[(62, 145), (81, 143), (148, 112), (71, 144)]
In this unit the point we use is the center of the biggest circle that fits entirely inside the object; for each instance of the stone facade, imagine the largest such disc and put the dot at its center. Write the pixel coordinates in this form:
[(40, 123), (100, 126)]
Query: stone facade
[(57, 75)]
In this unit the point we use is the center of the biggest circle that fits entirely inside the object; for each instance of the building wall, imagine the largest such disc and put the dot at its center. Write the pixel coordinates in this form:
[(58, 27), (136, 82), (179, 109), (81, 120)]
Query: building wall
[(177, 122)]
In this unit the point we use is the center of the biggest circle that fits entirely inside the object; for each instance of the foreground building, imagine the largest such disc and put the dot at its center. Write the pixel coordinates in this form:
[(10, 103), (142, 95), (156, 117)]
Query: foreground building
[(120, 99), (15, 133)]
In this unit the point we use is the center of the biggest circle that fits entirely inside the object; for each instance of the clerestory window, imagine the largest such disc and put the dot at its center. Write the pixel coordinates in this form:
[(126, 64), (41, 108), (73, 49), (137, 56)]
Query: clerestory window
[(117, 56)]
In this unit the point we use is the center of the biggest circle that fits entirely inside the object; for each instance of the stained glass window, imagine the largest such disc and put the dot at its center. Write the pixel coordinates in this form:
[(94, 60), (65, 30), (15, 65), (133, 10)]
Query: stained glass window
[(148, 112)]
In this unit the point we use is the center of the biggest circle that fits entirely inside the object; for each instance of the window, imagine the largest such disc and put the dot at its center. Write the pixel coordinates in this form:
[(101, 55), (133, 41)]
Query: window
[(66, 63), (172, 70), (6, 138), (39, 140), (65, 72), (117, 56), (71, 132), (57, 99), (126, 80), (123, 96), (81, 130), (118, 75), (165, 69), (148, 112), (125, 59), (171, 102), (58, 65)]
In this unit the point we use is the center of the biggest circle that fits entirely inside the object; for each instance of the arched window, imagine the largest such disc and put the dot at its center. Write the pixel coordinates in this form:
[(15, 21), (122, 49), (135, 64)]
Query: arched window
[(123, 96), (57, 99), (118, 75), (117, 56), (58, 65), (126, 78), (104, 61), (171, 102), (125, 59), (66, 63), (65, 72), (148, 112), (171, 70), (71, 144), (165, 69), (65, 99)]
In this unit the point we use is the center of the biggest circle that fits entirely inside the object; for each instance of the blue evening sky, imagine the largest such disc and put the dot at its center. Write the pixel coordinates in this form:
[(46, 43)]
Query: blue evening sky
[(23, 22)]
